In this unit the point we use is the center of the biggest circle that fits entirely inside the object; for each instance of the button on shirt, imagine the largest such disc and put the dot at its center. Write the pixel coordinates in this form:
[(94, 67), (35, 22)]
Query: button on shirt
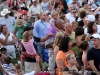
[(40, 28), (35, 9), (9, 22)]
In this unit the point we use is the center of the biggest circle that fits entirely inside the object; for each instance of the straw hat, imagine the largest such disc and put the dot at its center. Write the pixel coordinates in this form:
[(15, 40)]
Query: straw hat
[(19, 22), (4, 12)]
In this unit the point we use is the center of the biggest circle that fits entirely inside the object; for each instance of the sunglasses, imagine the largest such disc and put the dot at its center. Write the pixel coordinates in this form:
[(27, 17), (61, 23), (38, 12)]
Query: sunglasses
[(73, 12)]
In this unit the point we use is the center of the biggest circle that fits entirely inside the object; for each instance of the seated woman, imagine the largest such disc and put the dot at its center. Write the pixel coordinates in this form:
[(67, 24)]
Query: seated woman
[(64, 49), (71, 59)]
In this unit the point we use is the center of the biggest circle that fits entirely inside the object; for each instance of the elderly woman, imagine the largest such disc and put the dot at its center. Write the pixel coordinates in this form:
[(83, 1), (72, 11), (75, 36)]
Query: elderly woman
[(8, 40)]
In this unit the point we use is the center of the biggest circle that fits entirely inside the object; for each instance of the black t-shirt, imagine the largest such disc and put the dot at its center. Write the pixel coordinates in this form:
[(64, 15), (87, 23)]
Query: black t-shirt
[(94, 54), (67, 69), (81, 23), (36, 39)]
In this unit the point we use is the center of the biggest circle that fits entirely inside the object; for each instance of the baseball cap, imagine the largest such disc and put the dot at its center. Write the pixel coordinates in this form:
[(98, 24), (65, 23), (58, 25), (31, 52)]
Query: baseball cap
[(93, 6), (27, 28), (90, 17), (95, 36)]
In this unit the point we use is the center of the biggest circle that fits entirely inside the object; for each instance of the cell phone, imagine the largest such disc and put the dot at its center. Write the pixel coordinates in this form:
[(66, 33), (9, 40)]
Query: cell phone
[(33, 19)]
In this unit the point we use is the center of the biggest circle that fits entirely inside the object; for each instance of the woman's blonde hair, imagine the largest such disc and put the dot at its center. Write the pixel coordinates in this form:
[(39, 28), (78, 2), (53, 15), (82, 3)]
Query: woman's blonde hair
[(54, 13), (68, 56), (74, 23), (26, 36), (58, 38)]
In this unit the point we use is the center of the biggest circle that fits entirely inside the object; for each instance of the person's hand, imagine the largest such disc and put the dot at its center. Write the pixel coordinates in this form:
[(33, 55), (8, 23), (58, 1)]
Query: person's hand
[(38, 58), (42, 43), (8, 34), (51, 34)]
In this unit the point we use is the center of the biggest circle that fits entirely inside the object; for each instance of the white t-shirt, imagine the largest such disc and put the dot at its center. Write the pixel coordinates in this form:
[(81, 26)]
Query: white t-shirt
[(31, 73), (9, 22), (70, 17), (85, 30), (35, 9), (8, 47)]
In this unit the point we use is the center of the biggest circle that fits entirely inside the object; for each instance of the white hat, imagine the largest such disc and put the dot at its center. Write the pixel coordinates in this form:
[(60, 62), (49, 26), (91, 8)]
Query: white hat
[(90, 17), (4, 12), (33, 0), (93, 7), (95, 36)]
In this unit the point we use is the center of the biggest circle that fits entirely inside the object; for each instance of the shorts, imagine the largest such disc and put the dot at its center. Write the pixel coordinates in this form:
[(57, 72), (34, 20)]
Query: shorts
[(30, 66)]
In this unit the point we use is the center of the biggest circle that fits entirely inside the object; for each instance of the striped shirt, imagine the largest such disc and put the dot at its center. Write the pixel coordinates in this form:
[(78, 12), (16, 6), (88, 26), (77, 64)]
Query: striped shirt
[(8, 67)]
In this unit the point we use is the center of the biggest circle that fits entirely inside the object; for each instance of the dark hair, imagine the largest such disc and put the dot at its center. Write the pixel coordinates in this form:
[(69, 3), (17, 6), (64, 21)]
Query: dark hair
[(89, 28), (7, 60), (62, 17), (79, 31), (2, 27), (14, 8), (84, 4), (84, 45), (3, 49), (64, 44), (3, 0), (97, 16), (82, 14)]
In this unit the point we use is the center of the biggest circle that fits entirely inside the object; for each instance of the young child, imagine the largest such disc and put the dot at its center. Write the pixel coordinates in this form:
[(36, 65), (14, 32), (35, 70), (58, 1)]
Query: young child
[(3, 53), (27, 42), (7, 64), (18, 69), (54, 16)]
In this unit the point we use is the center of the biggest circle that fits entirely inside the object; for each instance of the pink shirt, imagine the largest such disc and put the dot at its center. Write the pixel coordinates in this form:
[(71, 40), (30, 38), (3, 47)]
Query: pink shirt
[(29, 47)]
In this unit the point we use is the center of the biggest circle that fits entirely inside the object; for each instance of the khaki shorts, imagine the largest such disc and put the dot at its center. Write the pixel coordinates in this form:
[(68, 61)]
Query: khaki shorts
[(29, 66)]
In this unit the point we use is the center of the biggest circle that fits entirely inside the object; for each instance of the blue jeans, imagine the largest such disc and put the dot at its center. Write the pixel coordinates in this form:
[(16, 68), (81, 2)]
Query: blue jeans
[(40, 50)]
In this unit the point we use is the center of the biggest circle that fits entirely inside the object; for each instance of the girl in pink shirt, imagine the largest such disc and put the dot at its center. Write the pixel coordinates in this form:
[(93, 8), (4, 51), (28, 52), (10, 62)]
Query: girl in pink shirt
[(28, 43)]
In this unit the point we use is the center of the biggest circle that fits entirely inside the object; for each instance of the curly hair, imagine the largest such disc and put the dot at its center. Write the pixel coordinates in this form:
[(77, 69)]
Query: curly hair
[(64, 44)]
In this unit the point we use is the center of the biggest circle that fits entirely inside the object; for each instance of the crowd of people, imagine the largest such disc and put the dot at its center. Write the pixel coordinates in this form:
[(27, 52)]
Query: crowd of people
[(64, 35)]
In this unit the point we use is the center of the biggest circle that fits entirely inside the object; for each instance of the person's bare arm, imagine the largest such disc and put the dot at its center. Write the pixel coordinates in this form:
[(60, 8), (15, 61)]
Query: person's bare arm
[(95, 12), (4, 41), (11, 42), (56, 50), (46, 37), (91, 63), (60, 64), (37, 68), (27, 55)]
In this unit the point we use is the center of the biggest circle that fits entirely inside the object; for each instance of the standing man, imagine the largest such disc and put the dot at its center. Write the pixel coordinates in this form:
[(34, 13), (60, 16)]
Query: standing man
[(40, 28), (35, 9), (93, 55), (7, 20)]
